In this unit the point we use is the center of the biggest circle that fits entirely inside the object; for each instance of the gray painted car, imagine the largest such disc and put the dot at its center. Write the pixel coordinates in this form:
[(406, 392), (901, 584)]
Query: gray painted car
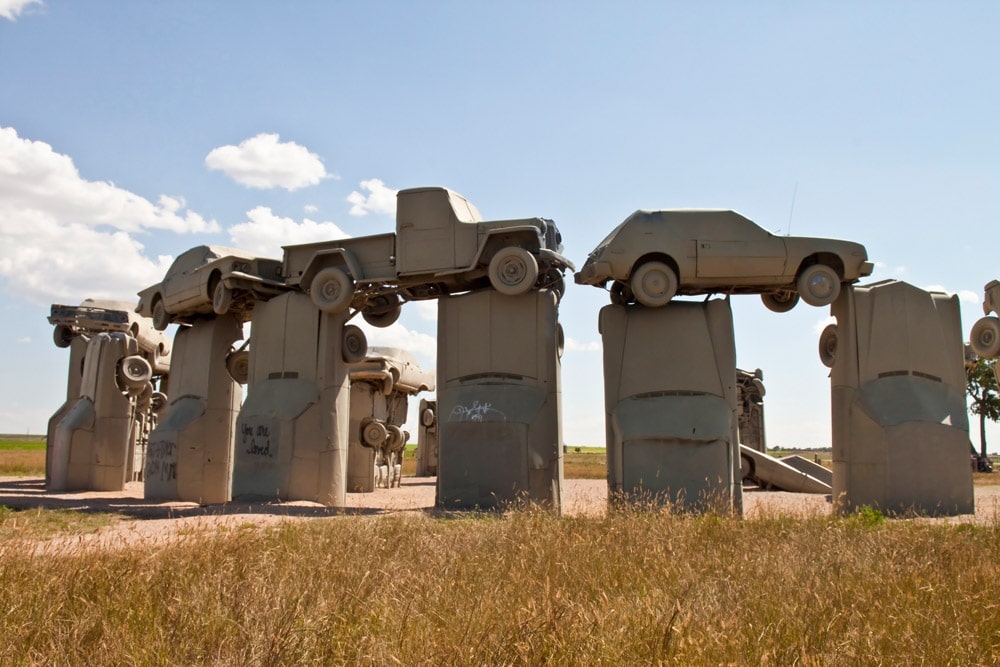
[(210, 279), (653, 255)]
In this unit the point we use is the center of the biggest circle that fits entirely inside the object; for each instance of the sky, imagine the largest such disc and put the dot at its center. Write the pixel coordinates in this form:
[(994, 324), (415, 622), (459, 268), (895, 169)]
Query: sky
[(132, 131)]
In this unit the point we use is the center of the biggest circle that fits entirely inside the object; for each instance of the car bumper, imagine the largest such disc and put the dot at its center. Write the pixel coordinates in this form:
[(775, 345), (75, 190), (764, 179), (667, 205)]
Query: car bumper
[(593, 273)]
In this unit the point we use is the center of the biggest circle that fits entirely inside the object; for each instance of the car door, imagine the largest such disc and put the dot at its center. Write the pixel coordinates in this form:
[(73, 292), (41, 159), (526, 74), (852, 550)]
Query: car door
[(730, 246)]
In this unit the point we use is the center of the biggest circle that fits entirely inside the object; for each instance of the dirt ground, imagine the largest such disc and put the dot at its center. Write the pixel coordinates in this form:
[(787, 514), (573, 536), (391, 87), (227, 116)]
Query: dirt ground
[(151, 522)]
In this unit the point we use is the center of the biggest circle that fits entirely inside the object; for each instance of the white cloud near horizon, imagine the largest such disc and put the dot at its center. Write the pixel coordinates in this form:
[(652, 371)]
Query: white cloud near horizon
[(265, 233), (380, 199), (421, 345), (264, 162), (67, 238), (573, 345), (11, 9)]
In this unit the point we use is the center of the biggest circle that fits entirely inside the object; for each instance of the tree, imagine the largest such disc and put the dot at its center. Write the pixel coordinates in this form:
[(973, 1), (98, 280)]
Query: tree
[(983, 391)]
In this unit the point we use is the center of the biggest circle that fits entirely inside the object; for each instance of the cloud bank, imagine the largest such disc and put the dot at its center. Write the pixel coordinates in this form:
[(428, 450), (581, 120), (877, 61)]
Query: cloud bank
[(66, 238), (380, 199)]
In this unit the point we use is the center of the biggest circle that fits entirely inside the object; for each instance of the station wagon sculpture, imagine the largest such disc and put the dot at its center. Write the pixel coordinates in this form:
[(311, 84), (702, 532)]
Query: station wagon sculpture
[(653, 255), (441, 246)]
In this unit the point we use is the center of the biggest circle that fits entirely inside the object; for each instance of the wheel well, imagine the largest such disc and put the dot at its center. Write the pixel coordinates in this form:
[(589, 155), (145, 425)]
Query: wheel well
[(655, 256), (498, 241), (827, 258), (320, 262)]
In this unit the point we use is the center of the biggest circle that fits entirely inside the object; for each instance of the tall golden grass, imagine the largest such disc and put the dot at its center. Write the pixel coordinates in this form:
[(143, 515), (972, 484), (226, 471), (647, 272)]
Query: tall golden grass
[(521, 588)]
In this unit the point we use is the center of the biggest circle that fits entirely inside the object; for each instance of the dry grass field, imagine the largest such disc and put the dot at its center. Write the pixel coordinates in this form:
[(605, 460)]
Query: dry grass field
[(109, 579)]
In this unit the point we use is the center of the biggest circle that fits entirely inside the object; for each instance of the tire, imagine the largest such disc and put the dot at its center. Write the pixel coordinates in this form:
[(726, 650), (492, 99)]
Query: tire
[(134, 373), (332, 290), (513, 271), (161, 318), (373, 434), (427, 417), (552, 279), (62, 336), (354, 345), (222, 298), (621, 294), (560, 340), (238, 365), (389, 384), (158, 401), (828, 345), (985, 337), (780, 302), (144, 397), (396, 439), (818, 285), (383, 311), (748, 470), (654, 284)]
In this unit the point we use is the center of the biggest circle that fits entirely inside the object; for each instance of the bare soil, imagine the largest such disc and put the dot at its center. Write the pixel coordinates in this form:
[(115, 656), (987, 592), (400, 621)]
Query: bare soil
[(153, 522)]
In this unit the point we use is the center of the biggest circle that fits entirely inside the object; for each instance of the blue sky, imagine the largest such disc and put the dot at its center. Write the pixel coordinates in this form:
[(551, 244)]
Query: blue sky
[(131, 131)]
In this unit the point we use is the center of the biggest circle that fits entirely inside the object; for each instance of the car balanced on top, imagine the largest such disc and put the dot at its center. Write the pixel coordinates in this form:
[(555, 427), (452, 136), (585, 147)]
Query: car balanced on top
[(441, 246), (654, 255)]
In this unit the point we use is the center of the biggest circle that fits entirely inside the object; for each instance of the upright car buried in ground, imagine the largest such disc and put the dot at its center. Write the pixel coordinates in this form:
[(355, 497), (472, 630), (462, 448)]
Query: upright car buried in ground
[(653, 255)]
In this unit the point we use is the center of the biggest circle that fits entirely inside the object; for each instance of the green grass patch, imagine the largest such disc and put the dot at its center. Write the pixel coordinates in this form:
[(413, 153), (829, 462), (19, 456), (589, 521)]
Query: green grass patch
[(22, 445)]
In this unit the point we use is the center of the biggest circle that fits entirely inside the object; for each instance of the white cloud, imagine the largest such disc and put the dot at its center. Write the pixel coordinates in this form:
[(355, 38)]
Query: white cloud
[(380, 199), (11, 9), (264, 162), (310, 208), (266, 232), (67, 238), (428, 309), (574, 345), (823, 323), (422, 345), (883, 271), (26, 339)]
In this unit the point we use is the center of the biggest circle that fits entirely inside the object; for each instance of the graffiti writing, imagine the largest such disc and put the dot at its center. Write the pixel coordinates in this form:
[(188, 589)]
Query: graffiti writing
[(256, 440), (161, 461), (477, 412)]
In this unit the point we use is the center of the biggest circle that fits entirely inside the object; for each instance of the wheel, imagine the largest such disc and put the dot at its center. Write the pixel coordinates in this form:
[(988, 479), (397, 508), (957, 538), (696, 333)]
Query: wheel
[(373, 434), (759, 386), (383, 310), (819, 285), (354, 346), (238, 365), (332, 290), (513, 271), (560, 340), (389, 384), (134, 373), (747, 468), (161, 318), (828, 345), (621, 294), (985, 337), (396, 439), (63, 335), (780, 302), (654, 284), (427, 417), (158, 401), (222, 298)]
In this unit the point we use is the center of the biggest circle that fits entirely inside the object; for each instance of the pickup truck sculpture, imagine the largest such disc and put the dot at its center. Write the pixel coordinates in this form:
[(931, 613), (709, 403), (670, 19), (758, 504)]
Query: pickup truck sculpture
[(441, 246)]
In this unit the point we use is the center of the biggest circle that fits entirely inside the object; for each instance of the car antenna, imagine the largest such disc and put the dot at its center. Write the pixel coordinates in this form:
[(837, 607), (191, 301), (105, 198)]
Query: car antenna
[(791, 209)]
